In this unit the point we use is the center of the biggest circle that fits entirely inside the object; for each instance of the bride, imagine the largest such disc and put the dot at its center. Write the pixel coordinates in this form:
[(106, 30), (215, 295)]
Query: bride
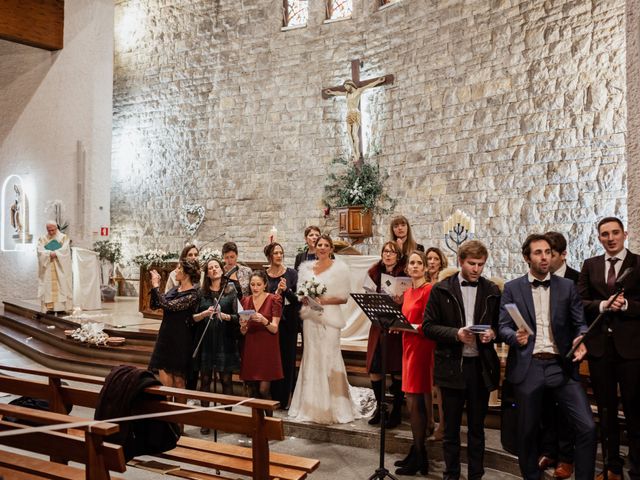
[(322, 391)]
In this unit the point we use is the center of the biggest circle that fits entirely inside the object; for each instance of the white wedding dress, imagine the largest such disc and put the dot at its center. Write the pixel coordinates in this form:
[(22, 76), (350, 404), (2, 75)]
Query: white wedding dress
[(322, 393)]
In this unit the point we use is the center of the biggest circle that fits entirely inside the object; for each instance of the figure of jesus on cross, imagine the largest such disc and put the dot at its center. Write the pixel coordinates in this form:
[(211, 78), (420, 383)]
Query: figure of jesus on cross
[(352, 89)]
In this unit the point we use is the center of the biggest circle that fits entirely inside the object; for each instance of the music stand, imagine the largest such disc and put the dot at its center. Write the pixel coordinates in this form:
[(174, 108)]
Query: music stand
[(381, 310)]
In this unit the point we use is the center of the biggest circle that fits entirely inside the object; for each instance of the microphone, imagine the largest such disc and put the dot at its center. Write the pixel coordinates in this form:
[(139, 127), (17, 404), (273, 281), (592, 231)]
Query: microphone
[(623, 276), (231, 272)]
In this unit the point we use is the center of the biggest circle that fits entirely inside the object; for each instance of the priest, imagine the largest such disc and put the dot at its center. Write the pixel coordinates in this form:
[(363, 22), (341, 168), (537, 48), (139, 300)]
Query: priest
[(54, 271)]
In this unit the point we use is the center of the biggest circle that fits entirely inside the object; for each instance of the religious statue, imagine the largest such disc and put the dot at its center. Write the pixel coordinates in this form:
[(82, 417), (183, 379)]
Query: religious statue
[(353, 93), (14, 211), (54, 270)]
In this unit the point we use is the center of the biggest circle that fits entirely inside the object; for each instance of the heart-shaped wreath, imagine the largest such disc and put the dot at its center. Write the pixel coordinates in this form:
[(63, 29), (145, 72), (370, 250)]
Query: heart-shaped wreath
[(188, 212)]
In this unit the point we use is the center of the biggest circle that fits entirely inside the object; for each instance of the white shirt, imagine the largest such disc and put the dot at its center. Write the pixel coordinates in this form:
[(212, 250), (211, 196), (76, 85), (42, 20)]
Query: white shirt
[(469, 302), (544, 342), (562, 270)]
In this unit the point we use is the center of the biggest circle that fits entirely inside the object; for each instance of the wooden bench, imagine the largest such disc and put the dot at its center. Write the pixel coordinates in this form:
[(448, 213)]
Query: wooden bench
[(256, 462), (90, 449)]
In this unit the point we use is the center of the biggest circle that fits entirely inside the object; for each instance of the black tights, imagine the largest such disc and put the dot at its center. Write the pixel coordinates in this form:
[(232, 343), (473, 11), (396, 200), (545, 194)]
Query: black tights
[(206, 376), (419, 417), (259, 389)]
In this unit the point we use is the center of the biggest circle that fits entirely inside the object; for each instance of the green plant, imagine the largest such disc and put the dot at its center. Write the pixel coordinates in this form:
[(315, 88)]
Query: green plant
[(358, 184), (108, 250)]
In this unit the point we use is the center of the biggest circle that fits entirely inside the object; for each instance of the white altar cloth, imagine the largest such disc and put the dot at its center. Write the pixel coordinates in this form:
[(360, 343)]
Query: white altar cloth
[(85, 266)]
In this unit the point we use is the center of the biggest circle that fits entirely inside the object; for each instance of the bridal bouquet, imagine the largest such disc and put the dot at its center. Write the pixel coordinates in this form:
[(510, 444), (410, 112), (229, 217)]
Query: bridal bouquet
[(311, 289)]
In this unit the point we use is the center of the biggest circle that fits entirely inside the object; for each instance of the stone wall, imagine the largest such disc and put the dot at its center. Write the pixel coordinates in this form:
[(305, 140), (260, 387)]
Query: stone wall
[(50, 101), (633, 121), (513, 111)]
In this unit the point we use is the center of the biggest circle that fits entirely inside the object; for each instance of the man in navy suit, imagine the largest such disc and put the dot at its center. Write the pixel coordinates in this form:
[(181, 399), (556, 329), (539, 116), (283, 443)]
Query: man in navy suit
[(551, 307), (614, 345), (557, 443)]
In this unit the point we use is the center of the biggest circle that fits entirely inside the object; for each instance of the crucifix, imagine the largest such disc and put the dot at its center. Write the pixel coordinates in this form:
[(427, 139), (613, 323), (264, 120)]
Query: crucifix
[(352, 89)]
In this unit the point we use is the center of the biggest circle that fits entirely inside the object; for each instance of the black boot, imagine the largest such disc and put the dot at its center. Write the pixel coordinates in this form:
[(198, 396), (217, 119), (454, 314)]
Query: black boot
[(419, 463), (406, 460), (395, 418), (375, 418)]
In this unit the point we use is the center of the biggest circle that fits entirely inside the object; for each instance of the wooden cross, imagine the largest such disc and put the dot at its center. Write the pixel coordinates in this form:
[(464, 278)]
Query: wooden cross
[(352, 89)]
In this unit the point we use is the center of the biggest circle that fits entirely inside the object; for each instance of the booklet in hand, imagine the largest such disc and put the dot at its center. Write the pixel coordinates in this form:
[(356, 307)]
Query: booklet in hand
[(394, 286), (512, 310), (245, 314), (478, 328)]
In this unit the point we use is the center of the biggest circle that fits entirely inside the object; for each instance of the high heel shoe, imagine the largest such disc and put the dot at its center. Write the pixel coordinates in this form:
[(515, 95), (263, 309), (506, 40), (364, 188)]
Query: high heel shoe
[(419, 463), (406, 460)]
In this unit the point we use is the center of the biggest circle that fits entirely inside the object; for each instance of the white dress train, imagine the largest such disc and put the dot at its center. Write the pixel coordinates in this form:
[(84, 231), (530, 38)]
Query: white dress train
[(322, 393)]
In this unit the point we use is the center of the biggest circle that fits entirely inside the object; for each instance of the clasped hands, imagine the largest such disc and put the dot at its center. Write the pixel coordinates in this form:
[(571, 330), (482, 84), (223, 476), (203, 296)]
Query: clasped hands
[(617, 305)]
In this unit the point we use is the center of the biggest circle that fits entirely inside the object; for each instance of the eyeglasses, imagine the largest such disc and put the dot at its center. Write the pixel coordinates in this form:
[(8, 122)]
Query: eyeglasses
[(389, 252)]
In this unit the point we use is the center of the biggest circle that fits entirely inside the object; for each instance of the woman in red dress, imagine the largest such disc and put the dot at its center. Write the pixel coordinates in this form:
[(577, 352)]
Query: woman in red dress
[(417, 364), (260, 362)]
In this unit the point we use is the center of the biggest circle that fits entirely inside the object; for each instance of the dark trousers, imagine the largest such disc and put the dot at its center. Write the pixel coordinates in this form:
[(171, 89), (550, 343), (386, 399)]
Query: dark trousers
[(574, 404), (476, 396), (556, 434), (607, 372)]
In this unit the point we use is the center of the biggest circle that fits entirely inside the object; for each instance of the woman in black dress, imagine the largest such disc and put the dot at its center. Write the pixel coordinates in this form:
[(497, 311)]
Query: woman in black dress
[(172, 352), (283, 281), (219, 348), (391, 263), (311, 236), (240, 278)]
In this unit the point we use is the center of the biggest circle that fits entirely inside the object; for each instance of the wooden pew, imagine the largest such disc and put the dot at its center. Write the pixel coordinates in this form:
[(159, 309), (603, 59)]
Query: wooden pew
[(256, 461), (98, 456)]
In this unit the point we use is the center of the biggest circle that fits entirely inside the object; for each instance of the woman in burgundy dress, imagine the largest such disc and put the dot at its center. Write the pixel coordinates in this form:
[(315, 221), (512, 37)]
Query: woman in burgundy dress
[(417, 365), (260, 362), (390, 264)]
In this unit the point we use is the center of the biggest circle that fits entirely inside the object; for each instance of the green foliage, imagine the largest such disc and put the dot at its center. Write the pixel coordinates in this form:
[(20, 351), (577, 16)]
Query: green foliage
[(357, 185), (108, 250)]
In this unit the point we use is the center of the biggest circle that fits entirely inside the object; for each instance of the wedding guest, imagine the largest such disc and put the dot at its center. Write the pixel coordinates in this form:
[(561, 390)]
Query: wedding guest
[(54, 270), (391, 264), (283, 281), (240, 279), (219, 348), (436, 263), (466, 364), (322, 393), (260, 363), (190, 252), (172, 351), (400, 232), (551, 307), (417, 364), (557, 442), (311, 235), (613, 353)]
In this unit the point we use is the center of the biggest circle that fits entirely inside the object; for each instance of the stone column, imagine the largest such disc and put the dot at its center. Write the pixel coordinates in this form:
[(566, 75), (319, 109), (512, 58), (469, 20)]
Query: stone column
[(633, 122)]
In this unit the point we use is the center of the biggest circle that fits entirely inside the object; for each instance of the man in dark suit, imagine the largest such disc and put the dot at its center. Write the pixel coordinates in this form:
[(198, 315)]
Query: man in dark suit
[(552, 309), (466, 364), (614, 346), (557, 442)]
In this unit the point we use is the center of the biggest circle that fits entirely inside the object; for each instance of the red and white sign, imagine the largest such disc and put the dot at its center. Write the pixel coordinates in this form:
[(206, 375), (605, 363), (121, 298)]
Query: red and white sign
[(104, 231)]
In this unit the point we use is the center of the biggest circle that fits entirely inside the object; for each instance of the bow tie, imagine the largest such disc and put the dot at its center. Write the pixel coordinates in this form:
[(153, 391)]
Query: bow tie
[(543, 283), (464, 283)]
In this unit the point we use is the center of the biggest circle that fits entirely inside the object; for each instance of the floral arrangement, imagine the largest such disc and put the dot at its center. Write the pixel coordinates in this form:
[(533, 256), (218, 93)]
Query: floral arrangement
[(207, 254), (311, 288), (359, 184), (192, 209), (154, 257), (108, 250)]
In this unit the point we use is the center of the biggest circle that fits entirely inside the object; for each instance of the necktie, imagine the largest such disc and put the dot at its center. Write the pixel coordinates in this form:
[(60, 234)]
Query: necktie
[(539, 283), (464, 283), (611, 274)]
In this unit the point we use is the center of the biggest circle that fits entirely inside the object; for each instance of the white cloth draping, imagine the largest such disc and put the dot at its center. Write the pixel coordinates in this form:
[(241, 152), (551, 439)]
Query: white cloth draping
[(54, 274), (357, 324), (86, 278)]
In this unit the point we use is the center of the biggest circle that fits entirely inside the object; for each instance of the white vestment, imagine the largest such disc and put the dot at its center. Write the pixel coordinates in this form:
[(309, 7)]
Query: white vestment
[(322, 393), (55, 289)]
